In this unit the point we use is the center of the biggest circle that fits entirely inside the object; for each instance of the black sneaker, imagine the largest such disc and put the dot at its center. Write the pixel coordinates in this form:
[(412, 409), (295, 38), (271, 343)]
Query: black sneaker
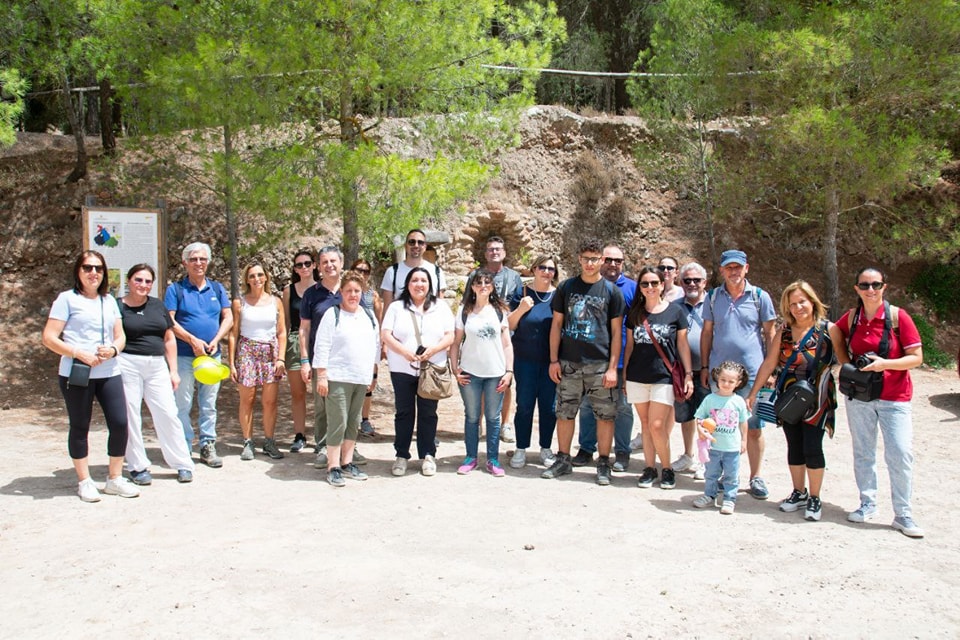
[(668, 479), (582, 459), (647, 478), (560, 467), (812, 512), (603, 471), (621, 461), (796, 500), (299, 442)]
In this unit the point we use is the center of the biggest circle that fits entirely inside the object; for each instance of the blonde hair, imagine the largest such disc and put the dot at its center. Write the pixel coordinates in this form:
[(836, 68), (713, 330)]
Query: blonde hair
[(246, 274), (819, 309)]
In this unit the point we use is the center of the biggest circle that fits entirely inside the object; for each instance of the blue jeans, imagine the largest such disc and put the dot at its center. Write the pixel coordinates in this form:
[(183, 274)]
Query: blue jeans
[(477, 392), (723, 471), (622, 423), (896, 426), (534, 389), (206, 403)]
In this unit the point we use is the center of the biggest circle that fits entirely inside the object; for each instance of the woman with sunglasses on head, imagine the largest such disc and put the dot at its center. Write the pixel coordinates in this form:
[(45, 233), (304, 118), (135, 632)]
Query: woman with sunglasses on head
[(257, 346), (482, 357), (148, 365), (530, 321), (304, 276), (805, 353), (372, 302), (668, 266), (648, 381), (416, 328), (84, 328), (878, 337)]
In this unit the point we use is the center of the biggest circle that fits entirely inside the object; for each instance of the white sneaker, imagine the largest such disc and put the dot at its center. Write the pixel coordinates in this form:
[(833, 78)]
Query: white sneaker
[(506, 433), (519, 459), (698, 472), (547, 457), (683, 463), (399, 466), (120, 486), (728, 507), (428, 468), (87, 490), (637, 443), (703, 501)]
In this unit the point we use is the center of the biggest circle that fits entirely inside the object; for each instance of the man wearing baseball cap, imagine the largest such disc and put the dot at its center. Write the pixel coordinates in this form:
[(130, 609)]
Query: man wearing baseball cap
[(739, 325)]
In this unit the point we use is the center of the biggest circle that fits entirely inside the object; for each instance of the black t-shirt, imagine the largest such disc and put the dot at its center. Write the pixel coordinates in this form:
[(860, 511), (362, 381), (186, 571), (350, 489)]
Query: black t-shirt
[(294, 311), (645, 364), (316, 300), (145, 327), (587, 312)]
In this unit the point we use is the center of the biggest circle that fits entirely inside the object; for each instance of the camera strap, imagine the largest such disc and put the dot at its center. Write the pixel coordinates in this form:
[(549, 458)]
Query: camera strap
[(883, 350)]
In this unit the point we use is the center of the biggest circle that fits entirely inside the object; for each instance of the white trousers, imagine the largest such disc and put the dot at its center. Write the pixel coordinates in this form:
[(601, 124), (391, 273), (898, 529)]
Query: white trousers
[(146, 378)]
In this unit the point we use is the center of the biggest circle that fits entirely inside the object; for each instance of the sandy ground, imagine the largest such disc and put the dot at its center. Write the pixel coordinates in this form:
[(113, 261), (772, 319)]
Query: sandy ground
[(267, 549)]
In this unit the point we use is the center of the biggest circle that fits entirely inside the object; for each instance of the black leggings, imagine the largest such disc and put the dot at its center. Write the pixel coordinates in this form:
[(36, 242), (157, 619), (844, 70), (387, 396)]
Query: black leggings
[(79, 401), (804, 445)]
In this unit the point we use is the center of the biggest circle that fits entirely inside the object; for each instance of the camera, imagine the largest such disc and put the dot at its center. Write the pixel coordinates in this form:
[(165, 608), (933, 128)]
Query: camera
[(862, 361), (421, 349)]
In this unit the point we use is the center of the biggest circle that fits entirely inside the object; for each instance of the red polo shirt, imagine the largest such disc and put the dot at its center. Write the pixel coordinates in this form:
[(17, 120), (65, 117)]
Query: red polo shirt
[(897, 386)]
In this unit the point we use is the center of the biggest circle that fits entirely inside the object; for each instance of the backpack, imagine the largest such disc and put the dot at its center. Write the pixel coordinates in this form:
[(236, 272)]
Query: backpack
[(336, 313), (755, 292), (891, 322), (216, 286)]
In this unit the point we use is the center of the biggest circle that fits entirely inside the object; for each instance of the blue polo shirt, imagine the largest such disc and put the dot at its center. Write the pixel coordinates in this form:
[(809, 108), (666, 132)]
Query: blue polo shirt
[(738, 327), (629, 289), (694, 329), (316, 301), (197, 310)]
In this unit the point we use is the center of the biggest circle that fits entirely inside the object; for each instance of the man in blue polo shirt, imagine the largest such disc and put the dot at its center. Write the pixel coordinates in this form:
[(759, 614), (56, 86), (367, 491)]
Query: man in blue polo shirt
[(200, 308), (739, 325)]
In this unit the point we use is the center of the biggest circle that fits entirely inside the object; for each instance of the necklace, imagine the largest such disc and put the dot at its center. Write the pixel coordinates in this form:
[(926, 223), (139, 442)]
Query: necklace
[(536, 294)]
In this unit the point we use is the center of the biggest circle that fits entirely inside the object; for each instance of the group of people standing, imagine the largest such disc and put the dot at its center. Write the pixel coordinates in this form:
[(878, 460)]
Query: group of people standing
[(597, 344)]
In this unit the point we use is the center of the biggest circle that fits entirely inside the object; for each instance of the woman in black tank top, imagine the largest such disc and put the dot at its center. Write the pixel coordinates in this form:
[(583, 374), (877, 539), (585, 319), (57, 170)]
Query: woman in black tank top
[(304, 276)]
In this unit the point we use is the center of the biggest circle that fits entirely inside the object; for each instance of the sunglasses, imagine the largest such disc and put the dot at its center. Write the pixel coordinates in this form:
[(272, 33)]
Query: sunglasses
[(863, 286), (546, 269), (483, 283), (664, 267), (692, 280), (363, 270), (303, 265), (89, 268), (412, 242), (256, 276), (143, 281), (616, 261), (646, 284)]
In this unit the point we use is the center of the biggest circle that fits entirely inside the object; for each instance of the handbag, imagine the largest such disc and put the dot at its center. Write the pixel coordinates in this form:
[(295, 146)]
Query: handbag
[(860, 385), (436, 380), (794, 403), (677, 375), (764, 407)]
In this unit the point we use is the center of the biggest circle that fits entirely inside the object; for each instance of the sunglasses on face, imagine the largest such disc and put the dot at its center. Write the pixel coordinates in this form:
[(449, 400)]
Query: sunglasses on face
[(482, 283), (256, 276), (89, 268), (866, 286), (546, 269), (145, 281), (666, 267), (692, 280), (362, 270), (616, 261), (306, 264), (413, 242), (646, 284)]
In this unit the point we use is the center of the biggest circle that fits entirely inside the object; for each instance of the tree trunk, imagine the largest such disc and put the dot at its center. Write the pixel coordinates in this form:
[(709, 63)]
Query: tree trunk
[(349, 134), (106, 118), (830, 275), (702, 150), (80, 168), (228, 207)]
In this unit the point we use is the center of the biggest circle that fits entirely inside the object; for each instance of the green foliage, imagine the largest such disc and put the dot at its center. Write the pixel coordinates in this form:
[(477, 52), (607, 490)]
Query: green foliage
[(932, 355), (938, 285), (12, 88)]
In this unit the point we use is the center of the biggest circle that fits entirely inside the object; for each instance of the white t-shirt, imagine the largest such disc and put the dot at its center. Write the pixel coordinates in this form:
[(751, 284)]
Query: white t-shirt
[(403, 270), (348, 350), (89, 324), (481, 353), (437, 321)]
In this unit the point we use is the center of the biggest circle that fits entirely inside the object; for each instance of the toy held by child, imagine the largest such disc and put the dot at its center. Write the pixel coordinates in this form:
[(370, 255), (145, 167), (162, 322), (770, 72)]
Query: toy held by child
[(705, 428)]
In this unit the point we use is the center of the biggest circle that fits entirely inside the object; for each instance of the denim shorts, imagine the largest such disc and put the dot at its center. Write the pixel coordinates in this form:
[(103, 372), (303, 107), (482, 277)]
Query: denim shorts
[(579, 379)]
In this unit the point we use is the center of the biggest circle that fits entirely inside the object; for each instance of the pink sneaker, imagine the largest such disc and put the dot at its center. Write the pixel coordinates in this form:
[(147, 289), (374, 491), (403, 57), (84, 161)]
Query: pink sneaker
[(469, 464), (494, 469)]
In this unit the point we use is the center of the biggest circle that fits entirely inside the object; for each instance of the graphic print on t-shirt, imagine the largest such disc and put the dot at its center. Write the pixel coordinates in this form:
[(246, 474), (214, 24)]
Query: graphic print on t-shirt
[(727, 419), (585, 313)]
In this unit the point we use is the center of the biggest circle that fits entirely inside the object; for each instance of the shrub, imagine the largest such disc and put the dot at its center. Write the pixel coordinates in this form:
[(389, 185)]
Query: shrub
[(591, 180), (932, 355), (938, 285)]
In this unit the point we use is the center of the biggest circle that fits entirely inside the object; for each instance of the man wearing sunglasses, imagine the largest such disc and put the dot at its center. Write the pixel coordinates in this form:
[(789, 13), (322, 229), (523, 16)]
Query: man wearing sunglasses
[(693, 279), (506, 281), (739, 325), (611, 269), (414, 247)]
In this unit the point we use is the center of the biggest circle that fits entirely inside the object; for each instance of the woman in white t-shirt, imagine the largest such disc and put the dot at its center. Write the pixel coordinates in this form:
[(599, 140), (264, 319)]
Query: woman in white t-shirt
[(416, 328), (258, 344), (482, 356)]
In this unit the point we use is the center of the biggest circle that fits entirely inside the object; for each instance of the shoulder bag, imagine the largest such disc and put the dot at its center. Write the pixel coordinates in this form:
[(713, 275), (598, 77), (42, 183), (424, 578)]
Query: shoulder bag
[(866, 385), (436, 381), (677, 374), (797, 401)]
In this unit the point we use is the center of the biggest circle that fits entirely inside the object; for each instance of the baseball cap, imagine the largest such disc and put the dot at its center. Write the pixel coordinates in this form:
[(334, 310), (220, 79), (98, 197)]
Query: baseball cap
[(732, 256)]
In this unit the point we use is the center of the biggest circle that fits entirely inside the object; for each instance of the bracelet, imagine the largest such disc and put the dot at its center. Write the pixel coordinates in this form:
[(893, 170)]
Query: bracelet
[(116, 352), (509, 371), (554, 362), (304, 360)]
